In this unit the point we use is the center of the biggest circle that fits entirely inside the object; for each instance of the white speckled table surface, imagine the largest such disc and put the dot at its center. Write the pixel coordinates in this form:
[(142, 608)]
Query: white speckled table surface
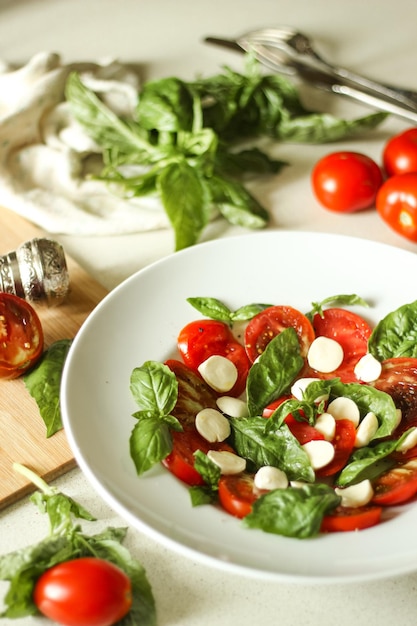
[(376, 38)]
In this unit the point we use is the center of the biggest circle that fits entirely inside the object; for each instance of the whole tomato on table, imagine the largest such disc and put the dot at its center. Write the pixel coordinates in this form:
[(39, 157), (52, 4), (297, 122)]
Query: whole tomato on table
[(345, 181), (400, 153), (84, 592), (396, 203), (21, 336)]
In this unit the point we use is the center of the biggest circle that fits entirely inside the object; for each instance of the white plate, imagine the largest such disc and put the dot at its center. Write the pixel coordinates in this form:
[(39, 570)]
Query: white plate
[(140, 320)]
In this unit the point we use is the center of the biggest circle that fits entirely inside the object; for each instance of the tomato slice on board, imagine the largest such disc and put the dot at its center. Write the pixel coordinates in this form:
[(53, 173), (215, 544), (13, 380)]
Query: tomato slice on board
[(201, 339), (396, 486), (237, 494), (21, 336), (270, 322), (343, 442), (351, 331), (351, 518)]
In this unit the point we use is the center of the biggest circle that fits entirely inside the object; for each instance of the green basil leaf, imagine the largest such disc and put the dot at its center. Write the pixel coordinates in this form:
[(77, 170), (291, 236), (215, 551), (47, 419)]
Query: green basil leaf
[(209, 471), (212, 308), (396, 334), (155, 388), (279, 448), (366, 463), (44, 383), (236, 204), (186, 202), (248, 311), (293, 512), (166, 105), (274, 372), (338, 300), (104, 126), (323, 127), (369, 399), (150, 442)]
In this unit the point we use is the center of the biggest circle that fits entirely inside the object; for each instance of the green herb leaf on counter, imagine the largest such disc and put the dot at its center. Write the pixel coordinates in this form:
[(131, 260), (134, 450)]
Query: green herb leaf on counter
[(183, 143), (44, 382), (67, 541)]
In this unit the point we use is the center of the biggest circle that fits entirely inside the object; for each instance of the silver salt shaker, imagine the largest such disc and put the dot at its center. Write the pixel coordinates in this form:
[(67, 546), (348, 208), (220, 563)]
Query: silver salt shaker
[(36, 271)]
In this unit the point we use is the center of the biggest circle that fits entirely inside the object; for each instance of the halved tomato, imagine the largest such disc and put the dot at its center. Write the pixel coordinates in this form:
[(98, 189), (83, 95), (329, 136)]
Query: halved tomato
[(272, 321), (180, 461), (237, 494), (351, 331), (201, 339), (396, 486), (21, 336), (193, 396), (345, 519)]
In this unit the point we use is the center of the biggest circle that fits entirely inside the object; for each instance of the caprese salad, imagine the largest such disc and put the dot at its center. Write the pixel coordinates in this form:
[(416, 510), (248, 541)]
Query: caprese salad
[(297, 423)]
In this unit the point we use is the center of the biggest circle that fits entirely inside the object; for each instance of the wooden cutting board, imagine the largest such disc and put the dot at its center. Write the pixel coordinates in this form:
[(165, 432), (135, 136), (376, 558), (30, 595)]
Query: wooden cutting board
[(22, 431)]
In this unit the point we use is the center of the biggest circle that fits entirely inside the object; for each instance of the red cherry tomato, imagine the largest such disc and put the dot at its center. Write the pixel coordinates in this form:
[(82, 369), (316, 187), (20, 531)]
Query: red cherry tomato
[(84, 592), (397, 485), (203, 338), (237, 494), (346, 181), (270, 322), (21, 336), (396, 203), (351, 518), (351, 331), (400, 153)]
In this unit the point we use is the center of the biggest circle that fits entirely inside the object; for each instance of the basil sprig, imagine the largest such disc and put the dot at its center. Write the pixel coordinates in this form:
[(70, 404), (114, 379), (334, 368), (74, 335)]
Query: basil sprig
[(155, 389), (182, 143), (65, 541)]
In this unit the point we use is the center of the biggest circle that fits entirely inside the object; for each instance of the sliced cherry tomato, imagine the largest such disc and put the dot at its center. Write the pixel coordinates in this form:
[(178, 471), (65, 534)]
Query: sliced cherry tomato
[(346, 181), (400, 153), (351, 518), (21, 336), (343, 441), (396, 486), (180, 461), (399, 379), (193, 396), (84, 592), (237, 494), (270, 322), (193, 393), (203, 338), (396, 203), (351, 331)]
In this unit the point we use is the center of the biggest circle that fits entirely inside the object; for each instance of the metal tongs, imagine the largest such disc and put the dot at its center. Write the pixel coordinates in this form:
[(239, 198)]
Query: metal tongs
[(287, 51)]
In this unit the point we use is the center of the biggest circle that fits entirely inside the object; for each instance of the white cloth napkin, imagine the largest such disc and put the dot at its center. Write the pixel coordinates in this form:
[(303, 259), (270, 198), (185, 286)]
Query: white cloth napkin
[(44, 152)]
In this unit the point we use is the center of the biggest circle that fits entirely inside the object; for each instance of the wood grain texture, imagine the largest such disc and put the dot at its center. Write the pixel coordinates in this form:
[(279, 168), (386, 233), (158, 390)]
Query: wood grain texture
[(22, 431)]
